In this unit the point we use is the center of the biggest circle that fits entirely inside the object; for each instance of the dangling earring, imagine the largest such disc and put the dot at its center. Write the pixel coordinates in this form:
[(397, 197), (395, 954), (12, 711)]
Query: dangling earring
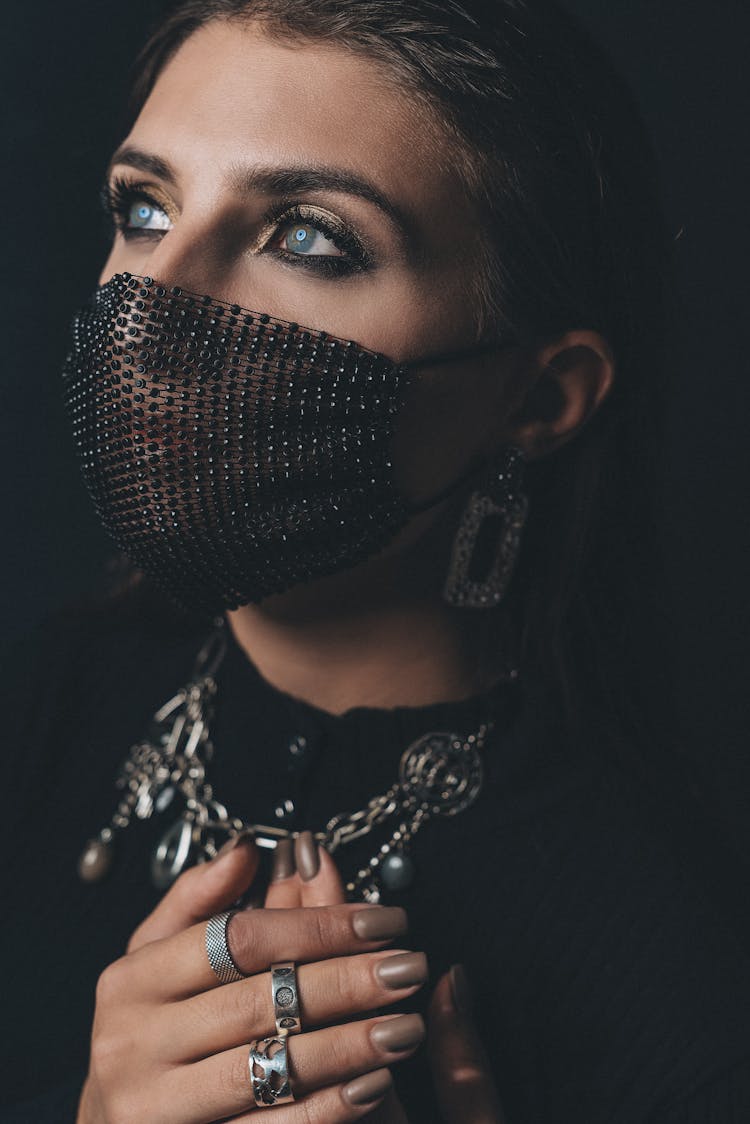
[(488, 537)]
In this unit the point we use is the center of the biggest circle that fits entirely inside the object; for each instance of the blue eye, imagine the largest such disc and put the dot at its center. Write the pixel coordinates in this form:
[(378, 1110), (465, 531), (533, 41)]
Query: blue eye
[(143, 215), (132, 210), (304, 239)]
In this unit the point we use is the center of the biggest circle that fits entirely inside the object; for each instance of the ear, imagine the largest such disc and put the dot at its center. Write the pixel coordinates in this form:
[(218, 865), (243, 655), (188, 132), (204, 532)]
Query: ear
[(567, 382)]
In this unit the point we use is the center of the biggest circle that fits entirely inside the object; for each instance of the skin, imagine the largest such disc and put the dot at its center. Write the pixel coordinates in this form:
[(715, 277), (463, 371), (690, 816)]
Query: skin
[(168, 1045)]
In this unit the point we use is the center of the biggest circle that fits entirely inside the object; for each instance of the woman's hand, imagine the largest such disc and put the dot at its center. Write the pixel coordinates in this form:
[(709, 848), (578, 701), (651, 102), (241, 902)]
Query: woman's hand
[(170, 1044), (462, 1077)]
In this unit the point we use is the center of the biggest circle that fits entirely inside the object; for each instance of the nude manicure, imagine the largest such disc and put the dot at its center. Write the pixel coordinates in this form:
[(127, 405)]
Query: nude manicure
[(380, 923), (307, 856), (400, 1033), (368, 1088), (283, 865), (404, 969), (460, 989)]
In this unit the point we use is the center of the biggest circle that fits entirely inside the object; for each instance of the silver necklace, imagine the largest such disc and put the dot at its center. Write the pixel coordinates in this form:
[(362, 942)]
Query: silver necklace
[(440, 774)]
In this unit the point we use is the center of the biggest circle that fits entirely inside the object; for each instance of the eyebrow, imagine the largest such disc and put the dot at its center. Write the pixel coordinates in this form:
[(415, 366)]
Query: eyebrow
[(144, 162), (276, 181)]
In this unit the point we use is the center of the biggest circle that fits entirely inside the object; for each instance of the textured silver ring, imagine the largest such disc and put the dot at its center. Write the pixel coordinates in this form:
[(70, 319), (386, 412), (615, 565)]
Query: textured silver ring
[(217, 950), (285, 997), (269, 1072)]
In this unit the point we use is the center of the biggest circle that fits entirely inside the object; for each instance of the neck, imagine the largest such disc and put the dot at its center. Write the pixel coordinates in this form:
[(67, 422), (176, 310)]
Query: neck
[(377, 635)]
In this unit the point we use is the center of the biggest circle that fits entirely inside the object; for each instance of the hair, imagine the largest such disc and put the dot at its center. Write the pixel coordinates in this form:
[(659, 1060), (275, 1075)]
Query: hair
[(554, 152)]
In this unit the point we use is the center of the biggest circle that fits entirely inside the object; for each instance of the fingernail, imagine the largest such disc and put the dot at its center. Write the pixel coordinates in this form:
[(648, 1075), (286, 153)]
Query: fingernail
[(368, 1088), (306, 856), (461, 990), (245, 836), (401, 1033), (380, 923), (405, 969), (283, 860)]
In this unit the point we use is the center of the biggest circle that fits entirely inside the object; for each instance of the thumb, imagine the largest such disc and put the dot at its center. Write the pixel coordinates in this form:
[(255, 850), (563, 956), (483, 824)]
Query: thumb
[(201, 891), (461, 1071)]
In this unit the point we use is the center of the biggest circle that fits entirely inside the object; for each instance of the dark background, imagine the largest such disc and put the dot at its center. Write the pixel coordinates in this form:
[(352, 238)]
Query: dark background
[(65, 68)]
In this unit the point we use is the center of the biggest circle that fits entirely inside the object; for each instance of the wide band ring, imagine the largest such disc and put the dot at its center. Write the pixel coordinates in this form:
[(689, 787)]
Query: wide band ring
[(285, 997), (269, 1072), (217, 950)]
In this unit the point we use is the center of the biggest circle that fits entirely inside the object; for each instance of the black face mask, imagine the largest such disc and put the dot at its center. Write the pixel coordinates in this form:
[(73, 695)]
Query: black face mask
[(230, 454)]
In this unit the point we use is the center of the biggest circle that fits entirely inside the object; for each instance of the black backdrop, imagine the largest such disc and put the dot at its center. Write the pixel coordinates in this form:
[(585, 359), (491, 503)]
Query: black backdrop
[(65, 68)]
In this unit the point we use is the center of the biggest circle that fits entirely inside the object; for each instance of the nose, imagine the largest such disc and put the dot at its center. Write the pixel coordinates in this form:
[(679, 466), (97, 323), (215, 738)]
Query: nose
[(191, 258), (188, 255)]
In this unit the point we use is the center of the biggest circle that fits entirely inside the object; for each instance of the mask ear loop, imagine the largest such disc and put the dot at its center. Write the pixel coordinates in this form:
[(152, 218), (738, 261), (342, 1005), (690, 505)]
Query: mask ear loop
[(425, 505), (486, 348)]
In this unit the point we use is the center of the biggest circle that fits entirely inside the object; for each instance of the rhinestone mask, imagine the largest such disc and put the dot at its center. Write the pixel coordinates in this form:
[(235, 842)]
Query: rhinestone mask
[(230, 454)]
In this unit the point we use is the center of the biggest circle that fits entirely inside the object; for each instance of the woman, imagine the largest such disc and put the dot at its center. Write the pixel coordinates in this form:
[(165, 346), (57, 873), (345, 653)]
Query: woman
[(395, 472)]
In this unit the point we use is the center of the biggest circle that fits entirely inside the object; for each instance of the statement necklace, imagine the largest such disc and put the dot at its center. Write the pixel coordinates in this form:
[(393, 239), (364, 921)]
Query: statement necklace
[(440, 774)]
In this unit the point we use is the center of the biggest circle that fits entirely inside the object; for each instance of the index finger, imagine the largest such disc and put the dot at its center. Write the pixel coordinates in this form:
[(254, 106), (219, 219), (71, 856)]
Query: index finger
[(178, 966), (201, 891)]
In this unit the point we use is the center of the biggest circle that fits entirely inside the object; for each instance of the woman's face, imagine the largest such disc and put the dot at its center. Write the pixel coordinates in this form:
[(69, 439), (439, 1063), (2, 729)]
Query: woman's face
[(299, 180)]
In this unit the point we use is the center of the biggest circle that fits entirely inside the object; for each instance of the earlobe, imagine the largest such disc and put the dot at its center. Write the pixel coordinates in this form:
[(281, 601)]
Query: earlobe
[(575, 374)]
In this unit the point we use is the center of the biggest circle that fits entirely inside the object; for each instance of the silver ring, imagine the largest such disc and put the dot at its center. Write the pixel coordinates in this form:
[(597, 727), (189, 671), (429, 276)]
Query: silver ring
[(217, 950), (269, 1072), (285, 997)]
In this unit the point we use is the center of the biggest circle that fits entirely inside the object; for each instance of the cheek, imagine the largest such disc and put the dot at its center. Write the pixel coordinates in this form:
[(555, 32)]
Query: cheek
[(122, 258), (449, 422)]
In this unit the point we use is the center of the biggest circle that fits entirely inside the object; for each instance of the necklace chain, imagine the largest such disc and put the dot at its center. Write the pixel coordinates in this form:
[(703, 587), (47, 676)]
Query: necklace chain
[(440, 774)]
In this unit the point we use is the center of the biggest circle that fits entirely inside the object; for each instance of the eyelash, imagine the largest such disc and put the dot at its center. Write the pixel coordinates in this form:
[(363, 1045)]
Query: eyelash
[(118, 196)]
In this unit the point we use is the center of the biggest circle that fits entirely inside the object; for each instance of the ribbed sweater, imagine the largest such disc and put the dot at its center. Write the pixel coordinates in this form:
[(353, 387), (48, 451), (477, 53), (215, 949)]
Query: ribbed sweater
[(606, 945)]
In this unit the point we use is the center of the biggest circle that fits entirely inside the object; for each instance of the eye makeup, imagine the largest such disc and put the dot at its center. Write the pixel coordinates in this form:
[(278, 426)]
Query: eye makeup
[(354, 256), (119, 196)]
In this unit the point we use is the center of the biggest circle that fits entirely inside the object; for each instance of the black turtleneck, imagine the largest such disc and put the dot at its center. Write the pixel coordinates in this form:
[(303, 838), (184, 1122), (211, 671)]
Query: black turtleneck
[(612, 979)]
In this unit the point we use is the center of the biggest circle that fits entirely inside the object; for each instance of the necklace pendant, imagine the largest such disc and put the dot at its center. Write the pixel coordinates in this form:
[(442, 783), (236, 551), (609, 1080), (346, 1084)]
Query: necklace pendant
[(95, 860), (397, 871), (443, 771), (172, 854)]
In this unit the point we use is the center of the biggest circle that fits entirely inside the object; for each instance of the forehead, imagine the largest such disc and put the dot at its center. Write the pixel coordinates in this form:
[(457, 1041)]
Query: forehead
[(232, 95)]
